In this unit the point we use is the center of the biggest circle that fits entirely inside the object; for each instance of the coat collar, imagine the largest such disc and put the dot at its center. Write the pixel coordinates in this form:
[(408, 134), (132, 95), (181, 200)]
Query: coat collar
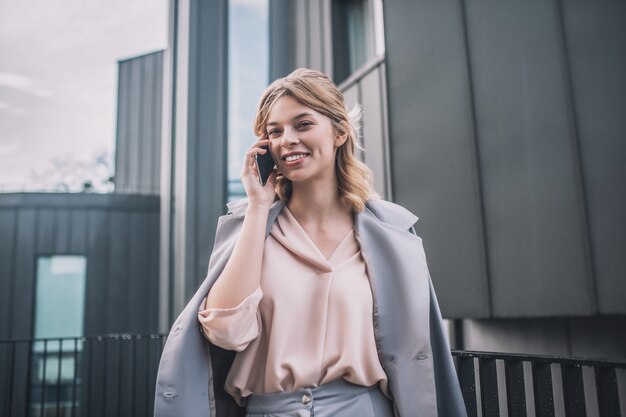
[(385, 211)]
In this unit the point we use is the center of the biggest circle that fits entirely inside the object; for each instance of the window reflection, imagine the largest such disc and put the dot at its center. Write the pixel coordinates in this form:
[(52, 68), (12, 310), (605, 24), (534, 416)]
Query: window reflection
[(248, 64), (59, 312)]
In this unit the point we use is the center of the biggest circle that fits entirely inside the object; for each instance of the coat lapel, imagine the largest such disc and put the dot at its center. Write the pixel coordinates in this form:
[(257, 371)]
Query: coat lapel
[(400, 283)]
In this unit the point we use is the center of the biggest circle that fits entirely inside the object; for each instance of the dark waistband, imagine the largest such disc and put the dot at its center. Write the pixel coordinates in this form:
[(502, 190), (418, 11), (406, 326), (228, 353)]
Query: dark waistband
[(329, 393)]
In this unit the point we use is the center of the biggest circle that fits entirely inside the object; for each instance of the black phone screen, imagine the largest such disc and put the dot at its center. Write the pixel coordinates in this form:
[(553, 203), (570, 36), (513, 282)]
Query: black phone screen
[(264, 164)]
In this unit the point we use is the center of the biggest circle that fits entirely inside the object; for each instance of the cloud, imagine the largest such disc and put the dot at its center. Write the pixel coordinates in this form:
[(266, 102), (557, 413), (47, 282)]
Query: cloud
[(22, 83), (9, 147), (18, 111)]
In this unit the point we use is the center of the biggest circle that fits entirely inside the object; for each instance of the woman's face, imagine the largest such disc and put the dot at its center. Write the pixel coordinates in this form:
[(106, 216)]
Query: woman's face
[(302, 141)]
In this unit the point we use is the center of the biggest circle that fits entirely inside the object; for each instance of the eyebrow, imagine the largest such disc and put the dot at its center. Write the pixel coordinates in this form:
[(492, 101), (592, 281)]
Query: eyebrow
[(295, 118)]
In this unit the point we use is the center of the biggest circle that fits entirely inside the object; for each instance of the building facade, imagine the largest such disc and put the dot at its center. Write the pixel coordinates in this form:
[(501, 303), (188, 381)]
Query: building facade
[(483, 119)]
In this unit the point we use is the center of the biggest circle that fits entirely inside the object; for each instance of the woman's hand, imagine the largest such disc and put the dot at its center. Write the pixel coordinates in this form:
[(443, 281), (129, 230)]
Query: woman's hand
[(257, 195)]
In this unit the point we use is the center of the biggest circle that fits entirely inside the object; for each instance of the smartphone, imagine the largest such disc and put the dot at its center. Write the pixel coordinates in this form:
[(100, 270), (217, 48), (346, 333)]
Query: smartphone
[(264, 165)]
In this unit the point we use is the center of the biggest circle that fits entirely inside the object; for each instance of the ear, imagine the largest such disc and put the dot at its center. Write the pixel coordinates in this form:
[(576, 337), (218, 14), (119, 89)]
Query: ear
[(342, 134)]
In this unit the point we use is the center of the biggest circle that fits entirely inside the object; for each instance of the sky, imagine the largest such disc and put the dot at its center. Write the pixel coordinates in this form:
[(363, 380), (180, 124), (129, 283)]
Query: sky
[(58, 78)]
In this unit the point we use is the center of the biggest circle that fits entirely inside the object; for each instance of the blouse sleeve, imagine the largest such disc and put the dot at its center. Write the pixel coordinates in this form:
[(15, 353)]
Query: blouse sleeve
[(232, 328)]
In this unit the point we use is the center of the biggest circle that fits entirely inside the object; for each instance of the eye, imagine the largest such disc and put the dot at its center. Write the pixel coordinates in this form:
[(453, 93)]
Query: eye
[(273, 133), (304, 124)]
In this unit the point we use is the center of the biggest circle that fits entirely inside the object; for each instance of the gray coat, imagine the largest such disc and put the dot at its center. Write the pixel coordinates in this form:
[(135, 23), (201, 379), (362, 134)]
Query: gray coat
[(410, 339)]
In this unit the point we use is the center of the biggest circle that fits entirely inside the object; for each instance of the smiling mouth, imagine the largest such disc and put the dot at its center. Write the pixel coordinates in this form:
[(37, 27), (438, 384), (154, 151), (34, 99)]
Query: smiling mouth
[(292, 158)]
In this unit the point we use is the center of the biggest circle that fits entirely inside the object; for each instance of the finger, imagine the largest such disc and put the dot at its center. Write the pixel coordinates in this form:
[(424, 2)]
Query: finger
[(272, 177), (260, 142), (255, 151)]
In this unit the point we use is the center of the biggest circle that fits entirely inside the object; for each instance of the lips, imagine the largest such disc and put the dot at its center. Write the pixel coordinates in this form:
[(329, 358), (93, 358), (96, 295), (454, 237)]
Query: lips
[(294, 159), (294, 156)]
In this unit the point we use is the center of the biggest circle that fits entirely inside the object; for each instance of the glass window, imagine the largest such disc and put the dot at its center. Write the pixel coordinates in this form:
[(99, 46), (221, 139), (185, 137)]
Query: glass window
[(59, 313), (248, 64), (357, 35), (60, 296)]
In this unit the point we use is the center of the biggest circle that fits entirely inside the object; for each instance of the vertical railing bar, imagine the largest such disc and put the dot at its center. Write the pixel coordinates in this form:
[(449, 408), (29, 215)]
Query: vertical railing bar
[(467, 380), (489, 388), (120, 340), (59, 378), (74, 402), (88, 406), (29, 353), (608, 395), (515, 388), (11, 377), (149, 341), (573, 390), (133, 374), (104, 371), (43, 378), (542, 384)]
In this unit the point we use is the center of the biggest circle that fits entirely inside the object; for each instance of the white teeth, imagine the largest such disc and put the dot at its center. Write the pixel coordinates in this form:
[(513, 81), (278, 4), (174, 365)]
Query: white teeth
[(294, 157)]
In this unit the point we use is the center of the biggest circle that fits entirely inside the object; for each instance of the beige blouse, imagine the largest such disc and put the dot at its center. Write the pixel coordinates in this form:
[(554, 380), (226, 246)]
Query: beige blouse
[(310, 321)]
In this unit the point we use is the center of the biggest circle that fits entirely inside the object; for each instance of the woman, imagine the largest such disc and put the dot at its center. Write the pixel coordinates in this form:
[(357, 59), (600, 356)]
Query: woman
[(318, 300)]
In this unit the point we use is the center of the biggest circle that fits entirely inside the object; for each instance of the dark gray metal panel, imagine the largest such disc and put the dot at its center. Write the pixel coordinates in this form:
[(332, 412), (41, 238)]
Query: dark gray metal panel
[(151, 292), (24, 276), (433, 156), (98, 272), (139, 279), (79, 200), (538, 262), (78, 233), (599, 336), (116, 300), (596, 46), (117, 308), (63, 227), (46, 231), (281, 40), (207, 137), (7, 265)]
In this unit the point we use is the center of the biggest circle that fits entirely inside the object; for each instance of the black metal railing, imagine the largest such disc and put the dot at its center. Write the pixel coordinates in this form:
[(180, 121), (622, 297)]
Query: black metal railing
[(516, 385), (114, 375), (98, 376)]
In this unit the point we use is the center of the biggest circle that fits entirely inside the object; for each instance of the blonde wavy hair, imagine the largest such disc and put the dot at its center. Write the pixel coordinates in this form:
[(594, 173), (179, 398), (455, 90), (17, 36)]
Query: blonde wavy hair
[(316, 91)]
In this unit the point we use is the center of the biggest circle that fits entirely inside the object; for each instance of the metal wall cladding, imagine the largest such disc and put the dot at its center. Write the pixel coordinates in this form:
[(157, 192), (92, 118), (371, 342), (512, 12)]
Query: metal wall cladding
[(118, 234), (139, 114), (506, 137)]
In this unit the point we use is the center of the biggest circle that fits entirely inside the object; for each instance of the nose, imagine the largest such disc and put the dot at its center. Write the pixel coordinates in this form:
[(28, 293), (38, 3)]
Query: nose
[(289, 138)]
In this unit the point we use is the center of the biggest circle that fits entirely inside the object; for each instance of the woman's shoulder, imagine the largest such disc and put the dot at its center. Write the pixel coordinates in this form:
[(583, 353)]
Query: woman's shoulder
[(389, 212)]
